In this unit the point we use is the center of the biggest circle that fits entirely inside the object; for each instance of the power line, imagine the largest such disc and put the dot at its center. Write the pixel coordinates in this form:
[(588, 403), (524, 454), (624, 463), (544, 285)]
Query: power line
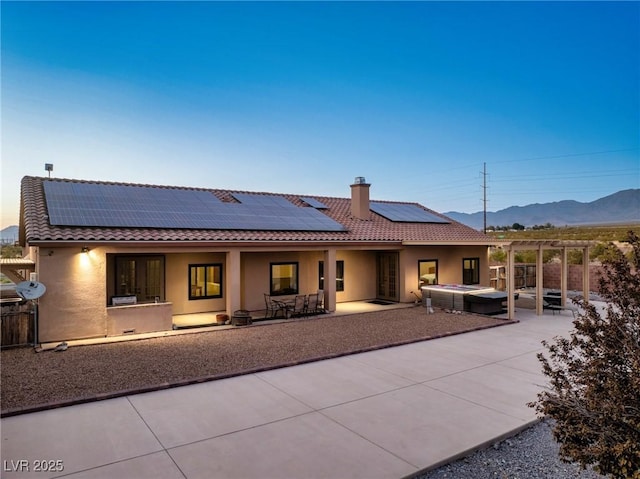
[(461, 184), (570, 155), (553, 157), (556, 176)]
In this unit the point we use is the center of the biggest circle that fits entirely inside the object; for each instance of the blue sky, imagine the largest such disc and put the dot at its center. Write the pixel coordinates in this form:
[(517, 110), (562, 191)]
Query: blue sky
[(301, 97)]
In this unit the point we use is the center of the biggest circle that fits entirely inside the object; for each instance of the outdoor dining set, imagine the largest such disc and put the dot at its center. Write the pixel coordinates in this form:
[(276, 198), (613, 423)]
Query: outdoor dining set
[(299, 305)]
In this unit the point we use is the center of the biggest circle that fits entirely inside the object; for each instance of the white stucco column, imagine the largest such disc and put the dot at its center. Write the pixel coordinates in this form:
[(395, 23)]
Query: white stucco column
[(330, 280), (539, 282), (511, 283), (233, 280), (585, 273)]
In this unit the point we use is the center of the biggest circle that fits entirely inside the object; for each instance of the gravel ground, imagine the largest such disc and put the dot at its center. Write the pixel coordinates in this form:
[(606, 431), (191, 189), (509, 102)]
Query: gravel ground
[(532, 454), (31, 379)]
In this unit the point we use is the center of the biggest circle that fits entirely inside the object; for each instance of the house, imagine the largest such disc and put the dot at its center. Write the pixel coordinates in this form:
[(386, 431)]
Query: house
[(119, 258)]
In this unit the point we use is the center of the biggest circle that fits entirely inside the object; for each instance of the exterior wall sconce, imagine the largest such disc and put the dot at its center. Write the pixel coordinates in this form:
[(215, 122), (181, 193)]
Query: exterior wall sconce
[(85, 249)]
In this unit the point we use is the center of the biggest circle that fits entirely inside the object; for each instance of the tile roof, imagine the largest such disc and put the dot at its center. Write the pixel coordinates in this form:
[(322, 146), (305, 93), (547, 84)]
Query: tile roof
[(35, 226)]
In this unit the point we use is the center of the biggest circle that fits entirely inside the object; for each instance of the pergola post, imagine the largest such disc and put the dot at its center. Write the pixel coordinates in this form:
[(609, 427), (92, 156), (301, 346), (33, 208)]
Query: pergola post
[(585, 273), (539, 281), (563, 276), (511, 283)]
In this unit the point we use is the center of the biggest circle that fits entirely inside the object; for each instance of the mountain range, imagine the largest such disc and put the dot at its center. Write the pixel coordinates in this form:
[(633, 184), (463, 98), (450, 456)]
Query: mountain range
[(620, 207), (9, 234)]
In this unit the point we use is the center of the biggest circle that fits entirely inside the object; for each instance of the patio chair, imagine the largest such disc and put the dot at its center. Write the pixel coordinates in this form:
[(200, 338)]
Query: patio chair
[(312, 304), (271, 307), (557, 307), (320, 305), (299, 305)]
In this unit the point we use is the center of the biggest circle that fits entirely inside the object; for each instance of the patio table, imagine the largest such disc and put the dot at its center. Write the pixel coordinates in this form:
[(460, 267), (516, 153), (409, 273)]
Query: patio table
[(286, 305)]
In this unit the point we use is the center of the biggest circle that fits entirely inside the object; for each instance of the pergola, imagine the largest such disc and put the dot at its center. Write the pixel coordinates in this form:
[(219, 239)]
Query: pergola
[(539, 246), (17, 269)]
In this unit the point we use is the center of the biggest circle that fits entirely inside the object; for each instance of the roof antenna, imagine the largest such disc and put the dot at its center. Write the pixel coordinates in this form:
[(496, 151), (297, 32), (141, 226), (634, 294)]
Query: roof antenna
[(48, 167)]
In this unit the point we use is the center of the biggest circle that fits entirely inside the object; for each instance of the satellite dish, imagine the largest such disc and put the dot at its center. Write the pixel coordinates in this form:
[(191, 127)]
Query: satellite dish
[(30, 289)]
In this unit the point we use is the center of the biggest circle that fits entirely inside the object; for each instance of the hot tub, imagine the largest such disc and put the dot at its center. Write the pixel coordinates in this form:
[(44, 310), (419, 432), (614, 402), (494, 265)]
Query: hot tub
[(474, 299)]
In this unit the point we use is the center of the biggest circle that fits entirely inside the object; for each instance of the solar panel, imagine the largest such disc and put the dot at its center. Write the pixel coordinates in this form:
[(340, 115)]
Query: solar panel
[(314, 203), (264, 200), (104, 205), (403, 212)]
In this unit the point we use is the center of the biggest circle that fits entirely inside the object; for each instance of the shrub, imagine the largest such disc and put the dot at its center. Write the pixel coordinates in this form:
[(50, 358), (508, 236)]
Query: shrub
[(10, 251), (498, 256), (594, 392)]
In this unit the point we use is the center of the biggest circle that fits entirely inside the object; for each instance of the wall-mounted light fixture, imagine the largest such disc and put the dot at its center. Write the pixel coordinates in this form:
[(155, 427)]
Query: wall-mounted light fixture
[(85, 249)]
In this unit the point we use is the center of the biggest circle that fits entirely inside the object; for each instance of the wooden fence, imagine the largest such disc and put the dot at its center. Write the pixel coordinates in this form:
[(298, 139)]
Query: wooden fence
[(17, 325)]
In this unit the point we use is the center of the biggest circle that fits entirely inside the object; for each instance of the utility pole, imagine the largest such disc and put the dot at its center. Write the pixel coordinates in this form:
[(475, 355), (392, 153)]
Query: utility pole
[(484, 197)]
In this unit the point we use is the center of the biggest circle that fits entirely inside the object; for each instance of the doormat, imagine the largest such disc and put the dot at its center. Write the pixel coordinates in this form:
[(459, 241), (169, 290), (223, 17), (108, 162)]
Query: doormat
[(380, 302)]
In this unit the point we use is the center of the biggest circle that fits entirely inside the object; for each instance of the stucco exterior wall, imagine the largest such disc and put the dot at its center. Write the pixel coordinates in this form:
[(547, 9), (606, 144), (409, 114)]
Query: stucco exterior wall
[(177, 282), (139, 318), (359, 271), (74, 304), (255, 270), (359, 275)]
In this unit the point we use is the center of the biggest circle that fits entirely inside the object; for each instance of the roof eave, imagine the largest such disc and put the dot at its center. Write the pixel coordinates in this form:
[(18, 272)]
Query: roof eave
[(475, 242), (201, 243)]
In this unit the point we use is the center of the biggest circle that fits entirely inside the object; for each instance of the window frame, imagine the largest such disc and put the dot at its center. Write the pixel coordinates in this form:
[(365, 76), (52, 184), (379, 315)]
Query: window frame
[(291, 290), (193, 297), (475, 271), (420, 281), (140, 274), (339, 275)]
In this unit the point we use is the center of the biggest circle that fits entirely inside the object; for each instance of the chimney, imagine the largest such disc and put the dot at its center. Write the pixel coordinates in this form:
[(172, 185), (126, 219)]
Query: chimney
[(360, 198)]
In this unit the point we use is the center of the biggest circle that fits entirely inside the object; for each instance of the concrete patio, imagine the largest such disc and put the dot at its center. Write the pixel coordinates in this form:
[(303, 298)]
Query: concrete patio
[(386, 413)]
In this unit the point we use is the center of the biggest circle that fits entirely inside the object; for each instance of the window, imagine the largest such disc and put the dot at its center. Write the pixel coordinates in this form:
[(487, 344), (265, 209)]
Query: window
[(140, 276), (205, 281), (339, 275), (470, 270), (284, 278), (427, 272)]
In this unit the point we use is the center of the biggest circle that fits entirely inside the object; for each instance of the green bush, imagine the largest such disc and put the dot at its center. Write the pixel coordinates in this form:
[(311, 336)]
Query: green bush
[(10, 251), (498, 255), (594, 392)]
